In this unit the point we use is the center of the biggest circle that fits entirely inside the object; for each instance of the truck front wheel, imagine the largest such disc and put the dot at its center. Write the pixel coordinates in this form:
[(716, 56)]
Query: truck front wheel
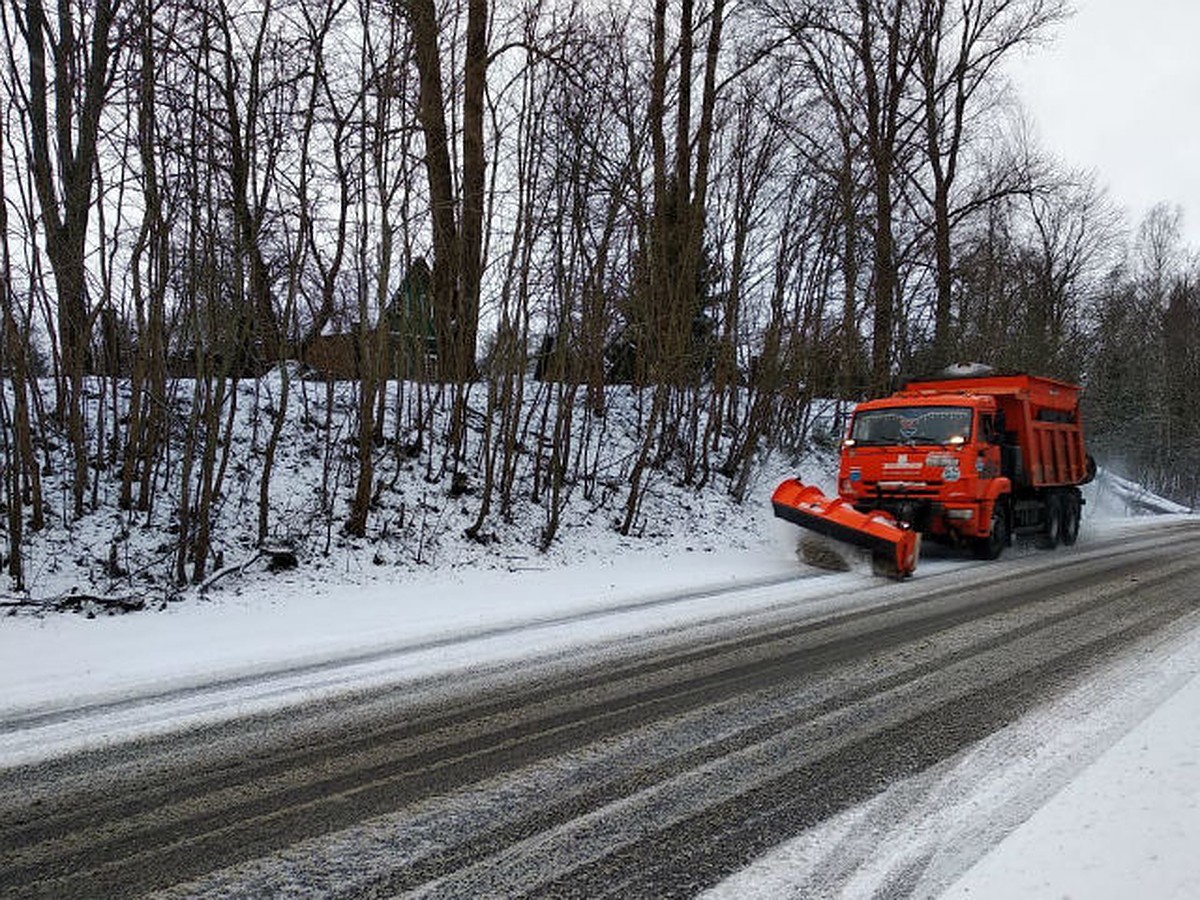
[(992, 545)]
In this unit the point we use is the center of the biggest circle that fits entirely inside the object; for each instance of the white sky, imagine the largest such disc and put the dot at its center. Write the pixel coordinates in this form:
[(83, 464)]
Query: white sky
[(1118, 92)]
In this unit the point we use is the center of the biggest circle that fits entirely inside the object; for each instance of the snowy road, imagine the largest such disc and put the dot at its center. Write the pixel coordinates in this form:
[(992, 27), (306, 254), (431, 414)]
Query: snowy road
[(655, 766)]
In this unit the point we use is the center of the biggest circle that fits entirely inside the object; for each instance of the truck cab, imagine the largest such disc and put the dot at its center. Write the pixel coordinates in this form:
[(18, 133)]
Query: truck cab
[(933, 461), (971, 459)]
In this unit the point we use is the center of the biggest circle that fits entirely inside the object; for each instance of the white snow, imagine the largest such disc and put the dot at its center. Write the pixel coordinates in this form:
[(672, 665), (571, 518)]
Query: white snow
[(1133, 497), (1127, 826), (1117, 814), (1094, 795), (289, 640)]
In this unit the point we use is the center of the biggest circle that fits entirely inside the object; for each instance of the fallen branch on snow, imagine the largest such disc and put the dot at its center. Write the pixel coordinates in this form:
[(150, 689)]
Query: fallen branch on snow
[(278, 560)]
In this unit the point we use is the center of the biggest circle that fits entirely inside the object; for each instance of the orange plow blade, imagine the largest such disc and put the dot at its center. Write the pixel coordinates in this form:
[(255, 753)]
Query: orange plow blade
[(894, 548)]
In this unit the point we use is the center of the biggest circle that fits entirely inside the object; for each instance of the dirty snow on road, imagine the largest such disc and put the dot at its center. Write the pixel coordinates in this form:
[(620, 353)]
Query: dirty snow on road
[(1096, 794)]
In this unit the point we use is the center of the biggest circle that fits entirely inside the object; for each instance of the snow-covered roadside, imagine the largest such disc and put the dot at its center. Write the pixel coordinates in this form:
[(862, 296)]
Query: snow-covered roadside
[(289, 622), (259, 640), (1127, 826), (258, 623), (70, 682)]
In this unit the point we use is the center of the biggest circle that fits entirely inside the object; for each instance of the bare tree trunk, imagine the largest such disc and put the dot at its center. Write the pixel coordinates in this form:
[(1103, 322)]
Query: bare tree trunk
[(63, 177), (150, 243), (884, 84), (15, 426), (473, 176), (264, 339), (457, 228)]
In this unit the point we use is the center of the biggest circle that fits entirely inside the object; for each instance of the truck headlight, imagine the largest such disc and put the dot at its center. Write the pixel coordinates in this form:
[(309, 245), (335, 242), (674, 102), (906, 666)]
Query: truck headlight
[(960, 514)]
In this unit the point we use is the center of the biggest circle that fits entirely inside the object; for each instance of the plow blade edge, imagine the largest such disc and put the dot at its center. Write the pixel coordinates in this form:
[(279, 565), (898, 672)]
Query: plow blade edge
[(894, 549)]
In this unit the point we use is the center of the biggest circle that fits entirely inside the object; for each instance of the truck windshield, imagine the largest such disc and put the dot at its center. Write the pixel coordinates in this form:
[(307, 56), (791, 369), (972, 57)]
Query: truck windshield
[(912, 425)]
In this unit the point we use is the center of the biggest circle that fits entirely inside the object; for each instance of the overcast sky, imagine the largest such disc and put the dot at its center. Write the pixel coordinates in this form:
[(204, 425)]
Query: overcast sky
[(1118, 92)]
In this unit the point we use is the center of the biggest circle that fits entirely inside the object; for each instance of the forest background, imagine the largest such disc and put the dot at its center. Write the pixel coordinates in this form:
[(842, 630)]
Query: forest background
[(525, 254)]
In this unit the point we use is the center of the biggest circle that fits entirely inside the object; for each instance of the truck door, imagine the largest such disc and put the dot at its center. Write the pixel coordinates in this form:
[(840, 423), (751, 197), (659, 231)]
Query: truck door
[(988, 462)]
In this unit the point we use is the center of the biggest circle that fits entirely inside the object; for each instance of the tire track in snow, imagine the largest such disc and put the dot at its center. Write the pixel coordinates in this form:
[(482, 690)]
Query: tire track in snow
[(642, 775)]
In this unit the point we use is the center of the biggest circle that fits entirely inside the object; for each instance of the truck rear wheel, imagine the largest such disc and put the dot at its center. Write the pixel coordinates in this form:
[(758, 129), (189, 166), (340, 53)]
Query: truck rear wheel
[(1070, 522), (992, 545), (1053, 529)]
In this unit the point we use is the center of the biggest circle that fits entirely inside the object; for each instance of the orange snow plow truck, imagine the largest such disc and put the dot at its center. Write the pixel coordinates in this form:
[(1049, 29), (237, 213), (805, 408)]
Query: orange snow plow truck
[(965, 460)]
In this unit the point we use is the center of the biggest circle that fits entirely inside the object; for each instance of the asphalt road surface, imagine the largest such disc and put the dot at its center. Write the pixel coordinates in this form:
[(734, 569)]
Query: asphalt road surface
[(647, 769)]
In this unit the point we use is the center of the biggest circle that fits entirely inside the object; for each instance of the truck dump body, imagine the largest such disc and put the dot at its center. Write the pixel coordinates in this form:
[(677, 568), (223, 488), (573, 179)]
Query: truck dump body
[(966, 460), (1040, 418)]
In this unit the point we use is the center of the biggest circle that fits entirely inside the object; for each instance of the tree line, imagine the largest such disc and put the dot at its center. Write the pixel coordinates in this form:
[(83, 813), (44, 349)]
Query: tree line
[(732, 207)]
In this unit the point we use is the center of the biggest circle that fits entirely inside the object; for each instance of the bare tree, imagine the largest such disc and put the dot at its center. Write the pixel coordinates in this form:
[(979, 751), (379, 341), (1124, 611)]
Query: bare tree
[(456, 217), (961, 46), (1074, 229), (71, 59), (374, 134), (20, 465), (1142, 362), (318, 24), (673, 246), (863, 54), (149, 265)]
